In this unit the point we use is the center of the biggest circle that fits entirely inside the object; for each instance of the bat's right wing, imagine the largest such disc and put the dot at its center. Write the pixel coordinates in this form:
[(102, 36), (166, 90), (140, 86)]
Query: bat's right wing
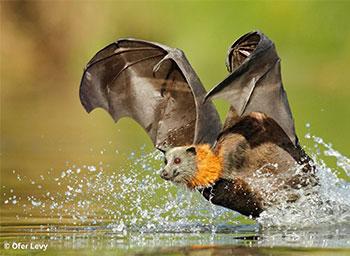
[(156, 86), (254, 83)]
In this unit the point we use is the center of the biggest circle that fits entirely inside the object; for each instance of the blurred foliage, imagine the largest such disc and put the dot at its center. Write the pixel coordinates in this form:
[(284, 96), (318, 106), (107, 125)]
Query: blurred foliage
[(45, 45)]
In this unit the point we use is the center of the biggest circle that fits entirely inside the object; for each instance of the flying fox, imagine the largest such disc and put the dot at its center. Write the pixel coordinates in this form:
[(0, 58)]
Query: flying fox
[(251, 162)]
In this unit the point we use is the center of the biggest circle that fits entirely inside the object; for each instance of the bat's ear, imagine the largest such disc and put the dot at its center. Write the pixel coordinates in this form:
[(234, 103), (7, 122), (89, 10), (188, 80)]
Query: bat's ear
[(191, 150), (161, 149)]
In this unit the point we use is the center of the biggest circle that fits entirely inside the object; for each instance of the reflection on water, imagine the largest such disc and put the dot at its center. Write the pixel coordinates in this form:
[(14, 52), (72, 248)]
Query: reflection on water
[(92, 207), (75, 240)]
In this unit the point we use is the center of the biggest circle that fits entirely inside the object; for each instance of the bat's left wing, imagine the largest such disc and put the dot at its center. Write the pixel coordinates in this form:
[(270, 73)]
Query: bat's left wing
[(254, 83), (156, 86)]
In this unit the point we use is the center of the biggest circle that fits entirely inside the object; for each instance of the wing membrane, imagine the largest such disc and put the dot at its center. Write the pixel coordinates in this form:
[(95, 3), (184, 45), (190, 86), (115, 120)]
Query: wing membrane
[(255, 83), (156, 86)]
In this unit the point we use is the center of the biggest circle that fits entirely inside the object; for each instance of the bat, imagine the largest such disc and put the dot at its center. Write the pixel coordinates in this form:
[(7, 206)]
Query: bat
[(251, 162)]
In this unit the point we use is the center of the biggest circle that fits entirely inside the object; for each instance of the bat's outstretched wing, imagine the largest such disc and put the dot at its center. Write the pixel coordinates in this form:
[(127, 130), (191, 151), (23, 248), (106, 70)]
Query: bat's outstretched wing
[(156, 86), (254, 83)]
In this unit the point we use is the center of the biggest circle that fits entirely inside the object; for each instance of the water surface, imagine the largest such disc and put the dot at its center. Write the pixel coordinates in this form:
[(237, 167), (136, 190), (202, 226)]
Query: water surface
[(130, 210)]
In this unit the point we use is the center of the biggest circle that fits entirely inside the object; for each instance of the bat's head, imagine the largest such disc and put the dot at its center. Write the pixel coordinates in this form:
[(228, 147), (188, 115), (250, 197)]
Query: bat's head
[(193, 166), (180, 164)]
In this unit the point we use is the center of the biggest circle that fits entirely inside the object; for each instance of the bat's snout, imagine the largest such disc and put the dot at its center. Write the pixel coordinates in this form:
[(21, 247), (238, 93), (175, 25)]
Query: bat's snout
[(165, 175), (169, 175)]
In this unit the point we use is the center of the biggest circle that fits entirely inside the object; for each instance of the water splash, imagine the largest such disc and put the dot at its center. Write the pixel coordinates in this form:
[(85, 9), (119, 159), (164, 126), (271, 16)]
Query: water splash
[(134, 198), (326, 204), (131, 198)]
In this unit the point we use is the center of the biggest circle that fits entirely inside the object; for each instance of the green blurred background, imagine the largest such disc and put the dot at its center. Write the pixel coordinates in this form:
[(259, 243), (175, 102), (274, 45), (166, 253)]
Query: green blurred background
[(45, 45)]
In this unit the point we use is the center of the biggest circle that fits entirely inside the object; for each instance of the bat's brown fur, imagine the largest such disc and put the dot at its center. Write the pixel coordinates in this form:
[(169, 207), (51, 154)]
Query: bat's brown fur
[(258, 167)]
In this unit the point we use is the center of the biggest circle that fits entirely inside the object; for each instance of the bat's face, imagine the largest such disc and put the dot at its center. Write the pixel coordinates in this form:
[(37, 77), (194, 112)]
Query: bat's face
[(180, 164)]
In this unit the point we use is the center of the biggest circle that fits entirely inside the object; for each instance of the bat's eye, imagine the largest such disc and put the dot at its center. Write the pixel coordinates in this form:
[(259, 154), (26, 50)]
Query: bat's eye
[(177, 160), (165, 161)]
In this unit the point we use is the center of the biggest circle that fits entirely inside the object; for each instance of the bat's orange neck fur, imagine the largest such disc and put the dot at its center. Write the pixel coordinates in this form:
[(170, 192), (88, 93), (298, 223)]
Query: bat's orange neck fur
[(209, 167)]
